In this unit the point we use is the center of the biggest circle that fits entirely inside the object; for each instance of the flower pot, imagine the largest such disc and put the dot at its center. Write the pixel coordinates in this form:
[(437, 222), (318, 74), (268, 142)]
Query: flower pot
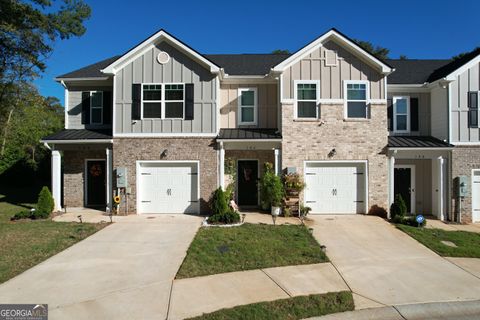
[(275, 211)]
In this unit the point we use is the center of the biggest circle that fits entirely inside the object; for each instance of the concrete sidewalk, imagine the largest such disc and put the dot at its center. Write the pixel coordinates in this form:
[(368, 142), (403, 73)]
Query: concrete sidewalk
[(436, 224), (195, 296), (458, 310)]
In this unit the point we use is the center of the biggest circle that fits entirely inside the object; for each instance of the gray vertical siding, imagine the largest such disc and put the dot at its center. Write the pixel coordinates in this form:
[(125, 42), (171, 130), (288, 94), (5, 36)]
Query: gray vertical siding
[(424, 113), (466, 81), (180, 69), (439, 97)]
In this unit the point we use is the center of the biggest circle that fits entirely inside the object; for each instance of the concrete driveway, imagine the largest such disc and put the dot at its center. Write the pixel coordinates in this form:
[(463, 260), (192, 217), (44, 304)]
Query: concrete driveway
[(124, 271), (384, 266)]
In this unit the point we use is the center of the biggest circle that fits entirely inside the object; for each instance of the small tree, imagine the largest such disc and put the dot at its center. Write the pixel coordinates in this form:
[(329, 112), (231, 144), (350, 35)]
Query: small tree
[(218, 202), (45, 204), (271, 188), (398, 207)]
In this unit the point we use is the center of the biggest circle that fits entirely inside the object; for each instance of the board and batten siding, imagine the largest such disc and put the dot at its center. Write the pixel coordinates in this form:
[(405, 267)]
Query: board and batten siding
[(349, 67), (439, 107), (267, 105), (74, 103), (423, 110), (467, 81), (180, 69)]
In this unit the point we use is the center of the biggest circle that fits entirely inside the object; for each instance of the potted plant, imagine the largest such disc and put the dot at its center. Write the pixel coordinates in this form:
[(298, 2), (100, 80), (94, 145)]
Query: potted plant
[(293, 184), (276, 196), (271, 190)]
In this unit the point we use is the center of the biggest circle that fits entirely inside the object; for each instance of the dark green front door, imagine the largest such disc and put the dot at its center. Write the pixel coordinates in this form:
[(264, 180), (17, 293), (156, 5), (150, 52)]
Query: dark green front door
[(247, 182), (96, 183)]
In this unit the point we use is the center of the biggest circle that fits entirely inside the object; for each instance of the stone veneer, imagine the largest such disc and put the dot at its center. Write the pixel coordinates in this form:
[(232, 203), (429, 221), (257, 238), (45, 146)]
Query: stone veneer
[(352, 140), (126, 151), (464, 159), (74, 175)]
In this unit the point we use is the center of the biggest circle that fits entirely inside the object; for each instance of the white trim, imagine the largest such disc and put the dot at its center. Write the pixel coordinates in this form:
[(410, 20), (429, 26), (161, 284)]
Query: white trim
[(367, 97), (326, 58), (240, 106), (391, 182), (217, 104), (65, 103), (137, 188), (408, 114), (412, 183), (473, 195), (258, 177), (466, 143), (453, 75), (162, 135), (441, 178), (114, 98), (378, 101), (331, 101), (281, 100), (364, 162), (449, 116), (56, 167), (249, 80), (85, 184), (295, 97), (148, 44), (332, 35), (221, 165), (85, 141), (96, 107), (162, 101), (109, 177), (400, 88), (277, 161)]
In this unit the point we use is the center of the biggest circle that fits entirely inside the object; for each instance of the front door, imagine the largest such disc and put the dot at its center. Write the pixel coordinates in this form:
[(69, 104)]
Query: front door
[(96, 183), (247, 182), (405, 185)]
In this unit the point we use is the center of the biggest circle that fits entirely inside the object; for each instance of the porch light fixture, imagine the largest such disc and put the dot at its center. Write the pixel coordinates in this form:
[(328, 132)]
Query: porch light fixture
[(332, 153)]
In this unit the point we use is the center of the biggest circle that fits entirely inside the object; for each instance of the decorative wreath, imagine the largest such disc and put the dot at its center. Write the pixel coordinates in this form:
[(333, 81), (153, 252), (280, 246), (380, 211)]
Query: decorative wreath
[(117, 199), (96, 170)]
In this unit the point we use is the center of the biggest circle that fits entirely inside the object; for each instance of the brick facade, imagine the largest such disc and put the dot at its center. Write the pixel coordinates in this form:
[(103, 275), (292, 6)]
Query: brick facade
[(74, 175), (352, 140), (464, 159), (127, 151)]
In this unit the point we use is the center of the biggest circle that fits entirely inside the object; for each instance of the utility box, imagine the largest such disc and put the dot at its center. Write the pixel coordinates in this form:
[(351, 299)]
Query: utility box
[(461, 186), (121, 175), (291, 170)]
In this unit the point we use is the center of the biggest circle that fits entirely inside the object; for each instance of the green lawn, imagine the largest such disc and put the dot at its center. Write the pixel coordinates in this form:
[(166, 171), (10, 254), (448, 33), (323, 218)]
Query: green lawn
[(287, 309), (250, 246), (468, 243), (24, 244)]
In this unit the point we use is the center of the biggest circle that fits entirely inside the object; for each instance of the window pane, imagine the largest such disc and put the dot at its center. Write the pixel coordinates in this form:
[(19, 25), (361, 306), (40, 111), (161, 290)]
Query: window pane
[(152, 92), (152, 110), (473, 100), (306, 109), (401, 106), (247, 114), (306, 91), (96, 115), (174, 110), (473, 118), (247, 98), (402, 122), (97, 99), (356, 92), (174, 92), (357, 110)]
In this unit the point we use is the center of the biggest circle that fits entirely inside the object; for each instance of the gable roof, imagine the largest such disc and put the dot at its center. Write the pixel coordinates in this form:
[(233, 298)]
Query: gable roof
[(149, 42), (349, 44), (91, 71), (413, 71), (455, 65), (247, 64)]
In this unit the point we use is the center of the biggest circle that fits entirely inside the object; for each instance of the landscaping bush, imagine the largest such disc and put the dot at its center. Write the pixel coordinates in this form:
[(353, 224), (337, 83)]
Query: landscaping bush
[(229, 192), (398, 207), (218, 202), (25, 214), (378, 211), (410, 221), (227, 217), (271, 188), (45, 204)]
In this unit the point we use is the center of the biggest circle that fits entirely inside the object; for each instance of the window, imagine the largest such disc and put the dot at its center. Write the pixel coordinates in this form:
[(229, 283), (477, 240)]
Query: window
[(306, 99), (357, 99), (247, 106), (473, 109), (96, 107), (162, 101), (401, 113)]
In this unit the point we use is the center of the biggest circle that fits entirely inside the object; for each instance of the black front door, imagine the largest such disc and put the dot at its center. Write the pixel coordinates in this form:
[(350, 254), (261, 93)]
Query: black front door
[(402, 185), (247, 182), (96, 183)]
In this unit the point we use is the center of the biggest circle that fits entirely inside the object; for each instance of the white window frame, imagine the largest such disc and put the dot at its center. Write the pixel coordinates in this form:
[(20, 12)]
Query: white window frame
[(394, 105), (255, 106), (92, 107), (295, 97), (163, 101), (345, 98)]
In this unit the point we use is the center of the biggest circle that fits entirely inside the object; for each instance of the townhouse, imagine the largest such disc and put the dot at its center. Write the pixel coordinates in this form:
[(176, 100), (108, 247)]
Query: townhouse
[(164, 125)]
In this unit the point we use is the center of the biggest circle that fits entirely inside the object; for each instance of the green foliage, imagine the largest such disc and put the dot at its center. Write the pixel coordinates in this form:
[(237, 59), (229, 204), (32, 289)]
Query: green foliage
[(462, 54), (218, 202), (408, 221), (378, 211), (271, 188), (293, 181), (229, 192), (280, 51), (45, 204), (227, 217), (24, 214), (304, 210), (398, 207), (377, 51), (403, 57), (230, 167)]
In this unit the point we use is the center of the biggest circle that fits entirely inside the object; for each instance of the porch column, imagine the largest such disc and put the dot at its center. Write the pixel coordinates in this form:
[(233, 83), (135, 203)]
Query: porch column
[(57, 179), (221, 166), (391, 182), (109, 179), (441, 187), (277, 161)]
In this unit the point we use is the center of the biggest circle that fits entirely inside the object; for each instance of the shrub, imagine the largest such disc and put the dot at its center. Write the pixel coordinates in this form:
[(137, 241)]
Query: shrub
[(218, 202), (293, 181), (229, 192), (271, 188), (227, 217), (25, 214), (409, 221), (45, 204), (304, 210), (378, 211), (398, 207)]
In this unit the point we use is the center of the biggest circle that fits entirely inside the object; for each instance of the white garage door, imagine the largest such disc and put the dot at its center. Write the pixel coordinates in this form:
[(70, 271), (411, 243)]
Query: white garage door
[(335, 188), (167, 187), (476, 195)]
